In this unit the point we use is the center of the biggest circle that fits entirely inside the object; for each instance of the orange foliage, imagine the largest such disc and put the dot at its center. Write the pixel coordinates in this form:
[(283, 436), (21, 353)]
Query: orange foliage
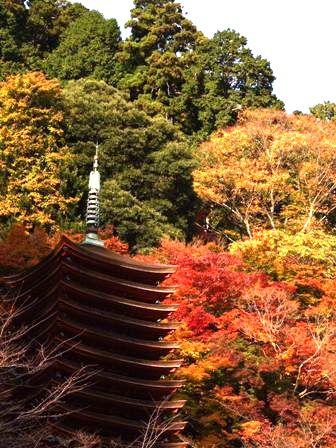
[(270, 171), (259, 354), (112, 242), (21, 249)]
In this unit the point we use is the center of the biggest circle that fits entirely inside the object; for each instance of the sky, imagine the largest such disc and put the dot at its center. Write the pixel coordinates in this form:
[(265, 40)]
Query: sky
[(297, 36)]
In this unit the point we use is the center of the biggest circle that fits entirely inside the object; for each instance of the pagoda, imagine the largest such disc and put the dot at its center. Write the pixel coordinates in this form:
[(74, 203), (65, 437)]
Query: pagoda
[(107, 312)]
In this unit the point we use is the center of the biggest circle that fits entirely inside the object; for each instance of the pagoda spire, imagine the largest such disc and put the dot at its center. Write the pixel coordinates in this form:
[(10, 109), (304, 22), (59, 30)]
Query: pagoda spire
[(92, 212)]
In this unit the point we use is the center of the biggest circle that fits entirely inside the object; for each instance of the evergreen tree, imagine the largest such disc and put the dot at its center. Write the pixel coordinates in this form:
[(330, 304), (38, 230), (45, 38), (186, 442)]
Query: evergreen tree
[(230, 78), (12, 17), (200, 82), (159, 51), (145, 163), (30, 30), (87, 48), (46, 21)]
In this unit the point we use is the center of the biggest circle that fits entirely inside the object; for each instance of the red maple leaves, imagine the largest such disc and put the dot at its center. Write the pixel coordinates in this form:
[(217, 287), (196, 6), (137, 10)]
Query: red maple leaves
[(260, 354)]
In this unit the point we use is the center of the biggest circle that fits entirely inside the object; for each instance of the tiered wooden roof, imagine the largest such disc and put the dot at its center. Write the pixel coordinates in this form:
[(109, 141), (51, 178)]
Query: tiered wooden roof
[(107, 312)]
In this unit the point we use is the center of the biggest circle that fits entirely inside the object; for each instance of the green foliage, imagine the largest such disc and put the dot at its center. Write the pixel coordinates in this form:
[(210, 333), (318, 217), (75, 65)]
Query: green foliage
[(136, 221), (166, 64), (87, 48), (173, 78), (29, 31), (11, 17), (160, 50), (231, 78), (324, 111), (201, 82), (145, 161), (46, 20)]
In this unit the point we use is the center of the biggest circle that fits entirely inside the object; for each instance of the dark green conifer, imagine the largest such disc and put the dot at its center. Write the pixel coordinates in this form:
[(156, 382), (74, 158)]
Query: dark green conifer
[(87, 48), (159, 51), (145, 163)]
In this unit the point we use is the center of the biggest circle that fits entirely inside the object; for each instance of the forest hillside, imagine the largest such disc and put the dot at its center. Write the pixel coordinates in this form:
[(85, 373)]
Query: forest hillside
[(201, 168)]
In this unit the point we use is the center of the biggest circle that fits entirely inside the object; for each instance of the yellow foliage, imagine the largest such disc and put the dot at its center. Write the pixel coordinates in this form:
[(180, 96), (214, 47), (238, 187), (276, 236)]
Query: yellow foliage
[(202, 369), (271, 170), (194, 350), (284, 255), (32, 150), (251, 428)]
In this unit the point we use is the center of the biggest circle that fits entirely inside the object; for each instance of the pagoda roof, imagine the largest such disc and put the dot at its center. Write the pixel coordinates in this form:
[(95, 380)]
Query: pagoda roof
[(100, 257), (109, 313)]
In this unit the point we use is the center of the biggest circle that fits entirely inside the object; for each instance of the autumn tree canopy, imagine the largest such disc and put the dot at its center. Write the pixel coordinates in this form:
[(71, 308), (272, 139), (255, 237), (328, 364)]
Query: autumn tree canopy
[(257, 321), (259, 354), (32, 151), (270, 171)]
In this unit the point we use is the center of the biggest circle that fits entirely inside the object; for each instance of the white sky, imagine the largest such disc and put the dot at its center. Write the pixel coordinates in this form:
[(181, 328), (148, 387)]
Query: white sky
[(298, 37)]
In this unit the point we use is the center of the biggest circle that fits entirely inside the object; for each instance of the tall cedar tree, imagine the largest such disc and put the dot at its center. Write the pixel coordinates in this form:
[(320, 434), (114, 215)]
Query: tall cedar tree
[(224, 78), (159, 51), (231, 78), (32, 150), (200, 82), (87, 48), (46, 20), (30, 30)]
